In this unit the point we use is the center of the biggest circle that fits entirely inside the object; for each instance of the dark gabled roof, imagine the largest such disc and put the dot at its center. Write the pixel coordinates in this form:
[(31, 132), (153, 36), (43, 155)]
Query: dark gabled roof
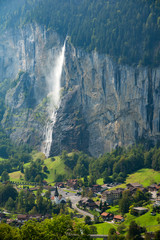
[(135, 184)]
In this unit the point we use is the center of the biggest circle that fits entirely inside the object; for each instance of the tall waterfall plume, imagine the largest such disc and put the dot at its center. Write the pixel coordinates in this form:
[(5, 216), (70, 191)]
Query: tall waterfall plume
[(54, 83)]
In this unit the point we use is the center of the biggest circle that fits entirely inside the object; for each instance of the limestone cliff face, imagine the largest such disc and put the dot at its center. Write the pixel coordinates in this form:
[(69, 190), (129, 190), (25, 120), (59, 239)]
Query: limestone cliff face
[(103, 104), (119, 104), (26, 59)]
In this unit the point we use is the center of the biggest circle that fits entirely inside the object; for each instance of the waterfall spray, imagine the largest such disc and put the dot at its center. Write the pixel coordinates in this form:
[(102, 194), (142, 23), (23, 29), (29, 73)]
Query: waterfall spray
[(54, 86)]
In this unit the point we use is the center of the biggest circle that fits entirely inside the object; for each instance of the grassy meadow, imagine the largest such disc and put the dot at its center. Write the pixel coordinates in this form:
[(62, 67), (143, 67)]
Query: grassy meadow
[(55, 167), (143, 176)]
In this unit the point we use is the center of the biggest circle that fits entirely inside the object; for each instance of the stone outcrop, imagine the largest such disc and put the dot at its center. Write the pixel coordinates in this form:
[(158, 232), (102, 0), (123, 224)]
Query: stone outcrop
[(103, 104)]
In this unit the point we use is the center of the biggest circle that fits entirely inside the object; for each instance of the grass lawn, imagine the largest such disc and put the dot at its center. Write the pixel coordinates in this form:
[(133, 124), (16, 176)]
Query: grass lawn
[(15, 176), (55, 168), (143, 176), (145, 220), (100, 181), (113, 209), (103, 228)]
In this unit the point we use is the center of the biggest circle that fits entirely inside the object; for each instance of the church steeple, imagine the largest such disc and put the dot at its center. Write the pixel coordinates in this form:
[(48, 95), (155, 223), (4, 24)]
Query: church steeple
[(56, 194)]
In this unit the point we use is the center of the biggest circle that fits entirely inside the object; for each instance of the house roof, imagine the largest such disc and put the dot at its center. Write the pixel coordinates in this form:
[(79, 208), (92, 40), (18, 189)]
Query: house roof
[(153, 186), (104, 214), (140, 209), (22, 216), (113, 191), (119, 217)]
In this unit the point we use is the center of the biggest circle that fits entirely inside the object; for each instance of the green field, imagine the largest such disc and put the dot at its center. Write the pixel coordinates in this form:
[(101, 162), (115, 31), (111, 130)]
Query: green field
[(15, 176), (143, 176), (146, 220), (103, 228), (114, 209), (55, 168), (100, 181)]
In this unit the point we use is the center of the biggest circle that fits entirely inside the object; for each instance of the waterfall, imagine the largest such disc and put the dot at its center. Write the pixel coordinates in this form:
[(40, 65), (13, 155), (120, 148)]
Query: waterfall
[(54, 82)]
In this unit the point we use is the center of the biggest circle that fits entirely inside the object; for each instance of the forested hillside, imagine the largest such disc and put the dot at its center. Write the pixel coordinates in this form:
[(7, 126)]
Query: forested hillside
[(127, 30), (114, 166)]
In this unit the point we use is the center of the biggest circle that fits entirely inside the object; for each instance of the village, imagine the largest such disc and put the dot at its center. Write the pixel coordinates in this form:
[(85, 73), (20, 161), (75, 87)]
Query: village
[(87, 201)]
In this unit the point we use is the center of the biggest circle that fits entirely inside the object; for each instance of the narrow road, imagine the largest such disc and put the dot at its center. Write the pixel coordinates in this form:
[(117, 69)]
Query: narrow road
[(82, 212), (74, 199)]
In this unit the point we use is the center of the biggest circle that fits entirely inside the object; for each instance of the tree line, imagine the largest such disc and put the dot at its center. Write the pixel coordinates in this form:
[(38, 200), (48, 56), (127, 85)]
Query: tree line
[(114, 166), (62, 227)]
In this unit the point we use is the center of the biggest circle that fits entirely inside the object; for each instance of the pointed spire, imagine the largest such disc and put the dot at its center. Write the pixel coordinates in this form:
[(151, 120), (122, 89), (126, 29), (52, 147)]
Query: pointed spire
[(56, 194)]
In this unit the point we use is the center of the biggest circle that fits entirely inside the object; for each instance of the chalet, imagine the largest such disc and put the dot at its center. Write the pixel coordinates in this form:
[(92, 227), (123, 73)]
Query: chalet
[(112, 195), (92, 205), (118, 218), (157, 202), (107, 216), (140, 210), (152, 188), (9, 221), (134, 185), (88, 203), (37, 217), (72, 183), (104, 187), (96, 188), (22, 218), (48, 216)]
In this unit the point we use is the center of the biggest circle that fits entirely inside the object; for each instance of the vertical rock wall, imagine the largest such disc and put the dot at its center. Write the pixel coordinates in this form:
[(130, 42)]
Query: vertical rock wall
[(119, 104), (103, 104)]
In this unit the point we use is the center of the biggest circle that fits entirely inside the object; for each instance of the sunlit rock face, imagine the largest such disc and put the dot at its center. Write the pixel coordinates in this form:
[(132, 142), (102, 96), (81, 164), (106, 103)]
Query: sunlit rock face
[(119, 105), (103, 104)]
